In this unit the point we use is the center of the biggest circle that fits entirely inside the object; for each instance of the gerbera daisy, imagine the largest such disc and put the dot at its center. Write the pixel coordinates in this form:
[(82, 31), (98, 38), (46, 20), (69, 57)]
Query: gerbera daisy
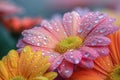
[(74, 40), (106, 68), (26, 66)]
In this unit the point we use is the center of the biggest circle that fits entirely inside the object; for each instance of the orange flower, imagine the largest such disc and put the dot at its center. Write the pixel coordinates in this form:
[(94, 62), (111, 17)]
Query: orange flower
[(106, 68), (17, 25)]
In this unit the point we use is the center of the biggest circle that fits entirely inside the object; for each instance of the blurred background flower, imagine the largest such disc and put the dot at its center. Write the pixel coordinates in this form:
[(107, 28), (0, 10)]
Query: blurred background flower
[(17, 25)]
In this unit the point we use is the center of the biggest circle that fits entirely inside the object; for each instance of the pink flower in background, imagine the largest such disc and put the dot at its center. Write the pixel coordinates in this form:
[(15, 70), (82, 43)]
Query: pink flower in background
[(7, 8), (72, 40)]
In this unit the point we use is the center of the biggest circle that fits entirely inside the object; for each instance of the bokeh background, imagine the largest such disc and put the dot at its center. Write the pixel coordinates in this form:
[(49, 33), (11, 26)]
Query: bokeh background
[(29, 13)]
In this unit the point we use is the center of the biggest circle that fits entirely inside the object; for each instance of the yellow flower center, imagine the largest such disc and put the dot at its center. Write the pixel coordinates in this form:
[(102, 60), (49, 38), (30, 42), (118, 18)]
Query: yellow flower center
[(115, 74), (72, 42), (18, 78)]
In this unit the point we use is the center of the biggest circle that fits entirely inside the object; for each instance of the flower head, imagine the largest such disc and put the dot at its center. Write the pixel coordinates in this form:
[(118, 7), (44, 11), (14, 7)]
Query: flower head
[(106, 68), (26, 66), (17, 25), (74, 40)]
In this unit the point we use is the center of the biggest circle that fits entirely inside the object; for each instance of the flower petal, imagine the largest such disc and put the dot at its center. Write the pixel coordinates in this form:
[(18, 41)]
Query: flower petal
[(86, 63), (56, 63), (21, 44), (105, 28), (40, 37), (55, 27), (51, 54), (71, 22), (51, 75), (54, 58), (102, 51), (89, 53), (97, 41), (3, 72), (89, 22), (12, 62), (86, 75), (66, 69), (73, 56), (104, 64)]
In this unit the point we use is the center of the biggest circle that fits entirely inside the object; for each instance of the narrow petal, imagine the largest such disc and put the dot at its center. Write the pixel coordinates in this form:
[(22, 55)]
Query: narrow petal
[(39, 68), (25, 61), (12, 62), (73, 56), (3, 72), (51, 75), (97, 41), (114, 47), (40, 78), (66, 69), (71, 22), (89, 53), (104, 64)]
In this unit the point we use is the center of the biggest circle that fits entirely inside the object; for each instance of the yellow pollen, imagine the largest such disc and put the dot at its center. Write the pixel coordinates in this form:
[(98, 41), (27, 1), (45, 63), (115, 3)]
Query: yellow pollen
[(72, 42), (18, 78), (115, 74)]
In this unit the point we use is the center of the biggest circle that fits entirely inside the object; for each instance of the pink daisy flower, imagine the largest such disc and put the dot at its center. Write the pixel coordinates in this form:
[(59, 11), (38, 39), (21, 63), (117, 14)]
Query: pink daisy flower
[(75, 40)]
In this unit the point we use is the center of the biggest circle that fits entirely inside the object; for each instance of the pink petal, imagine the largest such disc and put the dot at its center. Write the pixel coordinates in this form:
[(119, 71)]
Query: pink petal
[(39, 37), (102, 51), (89, 22), (20, 44), (85, 63), (52, 55), (73, 56), (97, 41), (66, 69), (56, 62), (54, 58), (71, 22), (105, 28), (55, 27), (89, 53)]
